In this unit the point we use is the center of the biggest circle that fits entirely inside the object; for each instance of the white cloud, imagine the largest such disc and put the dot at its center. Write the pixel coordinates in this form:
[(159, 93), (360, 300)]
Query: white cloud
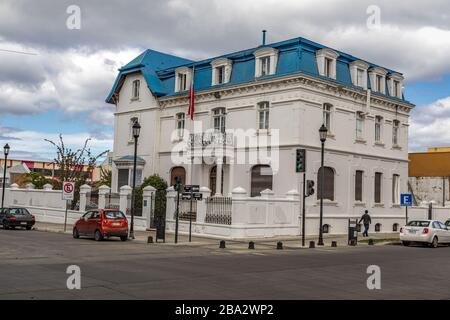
[(429, 125)]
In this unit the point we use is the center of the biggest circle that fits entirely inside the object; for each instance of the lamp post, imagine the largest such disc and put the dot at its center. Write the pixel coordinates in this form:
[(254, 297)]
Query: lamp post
[(136, 131), (323, 136), (6, 152)]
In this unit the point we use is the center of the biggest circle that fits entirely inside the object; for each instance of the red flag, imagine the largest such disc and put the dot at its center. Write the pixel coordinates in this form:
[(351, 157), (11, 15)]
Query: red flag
[(191, 97)]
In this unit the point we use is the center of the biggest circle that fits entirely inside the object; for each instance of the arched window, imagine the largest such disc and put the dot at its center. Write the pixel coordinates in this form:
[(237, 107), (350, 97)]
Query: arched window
[(378, 227), (177, 172), (395, 227), (326, 228), (213, 179), (261, 179), (328, 187)]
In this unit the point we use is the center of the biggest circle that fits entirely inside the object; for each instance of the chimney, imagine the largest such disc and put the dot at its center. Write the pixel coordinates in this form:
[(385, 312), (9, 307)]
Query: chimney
[(264, 37)]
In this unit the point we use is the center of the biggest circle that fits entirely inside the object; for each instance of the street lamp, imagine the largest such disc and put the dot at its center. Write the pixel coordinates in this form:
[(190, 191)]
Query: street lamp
[(136, 131), (323, 137), (6, 152)]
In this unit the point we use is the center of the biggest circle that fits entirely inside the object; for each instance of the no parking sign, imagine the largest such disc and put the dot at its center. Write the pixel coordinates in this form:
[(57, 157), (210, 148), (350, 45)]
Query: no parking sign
[(68, 190)]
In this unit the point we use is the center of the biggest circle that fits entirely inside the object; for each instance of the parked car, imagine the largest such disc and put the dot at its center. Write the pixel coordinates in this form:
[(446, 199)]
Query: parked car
[(16, 217), (431, 232), (447, 223), (102, 223)]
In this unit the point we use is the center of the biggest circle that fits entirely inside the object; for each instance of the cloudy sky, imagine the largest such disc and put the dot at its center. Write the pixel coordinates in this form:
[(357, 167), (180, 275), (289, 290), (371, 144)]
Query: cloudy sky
[(54, 79)]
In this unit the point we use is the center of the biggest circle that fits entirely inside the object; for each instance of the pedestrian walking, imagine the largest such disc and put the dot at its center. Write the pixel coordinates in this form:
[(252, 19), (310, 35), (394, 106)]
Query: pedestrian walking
[(366, 221)]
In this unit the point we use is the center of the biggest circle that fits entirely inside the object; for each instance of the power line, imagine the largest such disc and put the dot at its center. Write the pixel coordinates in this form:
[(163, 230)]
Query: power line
[(20, 52)]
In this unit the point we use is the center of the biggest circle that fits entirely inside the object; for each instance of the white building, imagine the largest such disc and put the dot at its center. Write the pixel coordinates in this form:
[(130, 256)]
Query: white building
[(283, 92)]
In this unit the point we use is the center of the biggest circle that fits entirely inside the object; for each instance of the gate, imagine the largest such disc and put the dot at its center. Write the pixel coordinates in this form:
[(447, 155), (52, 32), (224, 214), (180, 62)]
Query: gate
[(185, 212)]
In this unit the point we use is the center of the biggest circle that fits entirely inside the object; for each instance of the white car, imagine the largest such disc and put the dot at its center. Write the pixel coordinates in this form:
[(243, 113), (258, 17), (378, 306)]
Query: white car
[(430, 232)]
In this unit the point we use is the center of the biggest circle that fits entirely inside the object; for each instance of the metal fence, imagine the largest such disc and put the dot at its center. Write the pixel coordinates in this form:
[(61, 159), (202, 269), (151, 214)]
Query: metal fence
[(185, 210), (218, 210), (112, 201), (92, 200)]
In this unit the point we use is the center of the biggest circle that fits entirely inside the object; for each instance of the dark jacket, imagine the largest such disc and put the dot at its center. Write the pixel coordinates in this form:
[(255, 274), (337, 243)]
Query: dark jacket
[(366, 219)]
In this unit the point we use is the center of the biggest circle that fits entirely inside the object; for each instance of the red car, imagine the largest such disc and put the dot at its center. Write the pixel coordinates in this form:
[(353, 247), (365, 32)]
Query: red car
[(102, 223)]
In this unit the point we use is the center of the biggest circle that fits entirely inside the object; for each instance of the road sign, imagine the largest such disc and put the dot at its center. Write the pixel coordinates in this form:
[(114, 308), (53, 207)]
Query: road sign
[(197, 196), (193, 196), (68, 190), (191, 188), (406, 199), (186, 196)]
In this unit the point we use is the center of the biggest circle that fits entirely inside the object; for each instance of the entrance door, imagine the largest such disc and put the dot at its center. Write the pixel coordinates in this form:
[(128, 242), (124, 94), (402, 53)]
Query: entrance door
[(177, 172)]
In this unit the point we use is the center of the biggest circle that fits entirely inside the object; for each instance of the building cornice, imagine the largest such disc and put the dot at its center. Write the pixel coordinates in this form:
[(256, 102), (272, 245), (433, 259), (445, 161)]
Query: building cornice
[(286, 82)]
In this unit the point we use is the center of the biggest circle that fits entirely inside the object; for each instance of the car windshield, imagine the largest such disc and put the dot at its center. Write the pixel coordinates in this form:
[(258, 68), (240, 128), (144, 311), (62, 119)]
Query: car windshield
[(418, 223), (114, 215), (447, 223)]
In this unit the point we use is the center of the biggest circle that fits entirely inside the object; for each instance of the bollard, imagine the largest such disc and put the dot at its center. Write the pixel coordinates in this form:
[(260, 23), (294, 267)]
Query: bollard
[(279, 245), (222, 244), (334, 244), (312, 244), (150, 239), (251, 245), (370, 242)]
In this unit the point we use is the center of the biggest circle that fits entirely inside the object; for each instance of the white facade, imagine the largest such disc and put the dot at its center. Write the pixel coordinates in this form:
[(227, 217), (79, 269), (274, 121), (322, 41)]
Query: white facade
[(296, 105)]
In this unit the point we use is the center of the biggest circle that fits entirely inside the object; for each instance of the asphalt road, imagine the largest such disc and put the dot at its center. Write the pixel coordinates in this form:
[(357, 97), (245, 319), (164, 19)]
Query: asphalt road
[(33, 266)]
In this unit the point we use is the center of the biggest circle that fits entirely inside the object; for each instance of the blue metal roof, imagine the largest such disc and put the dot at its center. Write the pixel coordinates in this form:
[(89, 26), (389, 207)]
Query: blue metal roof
[(296, 55)]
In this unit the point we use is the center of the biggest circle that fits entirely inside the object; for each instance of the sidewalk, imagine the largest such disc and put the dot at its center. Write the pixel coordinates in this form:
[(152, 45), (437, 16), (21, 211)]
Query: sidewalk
[(260, 243)]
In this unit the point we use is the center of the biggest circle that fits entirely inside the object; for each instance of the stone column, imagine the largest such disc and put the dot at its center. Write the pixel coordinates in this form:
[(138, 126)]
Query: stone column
[(201, 205), (171, 203), (148, 195), (124, 192), (231, 177), (239, 206), (102, 192), (47, 187), (29, 186), (84, 189)]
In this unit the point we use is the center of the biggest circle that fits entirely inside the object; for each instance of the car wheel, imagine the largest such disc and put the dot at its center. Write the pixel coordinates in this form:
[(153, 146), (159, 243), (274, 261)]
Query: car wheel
[(28, 227), (75, 233), (5, 225), (13, 227), (98, 235), (434, 243), (124, 238), (406, 243)]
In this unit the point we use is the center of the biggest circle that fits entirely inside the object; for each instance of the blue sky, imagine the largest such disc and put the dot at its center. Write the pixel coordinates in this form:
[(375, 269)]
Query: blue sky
[(61, 86)]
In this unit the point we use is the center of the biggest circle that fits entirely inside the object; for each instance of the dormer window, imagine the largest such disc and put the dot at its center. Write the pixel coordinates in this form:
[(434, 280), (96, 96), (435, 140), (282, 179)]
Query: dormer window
[(358, 72), (182, 79), (378, 79), (221, 71), (326, 62), (395, 83), (265, 61), (135, 90)]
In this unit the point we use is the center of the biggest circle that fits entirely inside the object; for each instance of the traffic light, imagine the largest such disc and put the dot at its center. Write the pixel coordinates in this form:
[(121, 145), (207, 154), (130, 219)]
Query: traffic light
[(300, 160), (309, 188), (177, 186)]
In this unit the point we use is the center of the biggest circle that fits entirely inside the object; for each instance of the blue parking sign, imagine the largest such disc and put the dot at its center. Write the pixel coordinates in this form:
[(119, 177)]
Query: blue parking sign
[(406, 199)]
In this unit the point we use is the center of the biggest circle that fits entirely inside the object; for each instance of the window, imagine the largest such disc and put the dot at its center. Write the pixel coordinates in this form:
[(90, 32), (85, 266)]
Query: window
[(180, 124), (396, 88), (263, 115), (379, 81), (261, 179), (265, 66), (327, 111), (358, 185), (395, 189), (132, 121), (360, 77), (359, 125), (177, 172), (378, 227), (136, 85), (213, 179), (138, 177), (122, 177), (378, 126), (395, 132), (377, 194), (182, 81), (219, 119), (220, 75), (328, 66), (328, 190)]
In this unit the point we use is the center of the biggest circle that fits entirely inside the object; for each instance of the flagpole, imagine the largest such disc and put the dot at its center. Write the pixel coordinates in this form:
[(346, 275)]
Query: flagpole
[(191, 110)]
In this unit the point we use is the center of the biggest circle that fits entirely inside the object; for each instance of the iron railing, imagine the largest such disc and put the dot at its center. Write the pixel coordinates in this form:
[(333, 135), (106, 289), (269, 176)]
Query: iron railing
[(185, 212), (218, 210)]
